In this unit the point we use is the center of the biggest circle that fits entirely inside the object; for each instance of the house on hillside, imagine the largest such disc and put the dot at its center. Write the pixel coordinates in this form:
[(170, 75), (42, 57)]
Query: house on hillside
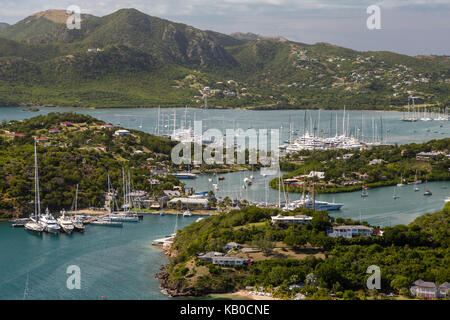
[(291, 219), (232, 245), (350, 231), (230, 261), (315, 174), (430, 289), (122, 133), (66, 124), (209, 256)]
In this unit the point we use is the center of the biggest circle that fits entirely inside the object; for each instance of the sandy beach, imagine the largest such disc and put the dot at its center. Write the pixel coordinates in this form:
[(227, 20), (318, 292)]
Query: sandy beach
[(242, 295)]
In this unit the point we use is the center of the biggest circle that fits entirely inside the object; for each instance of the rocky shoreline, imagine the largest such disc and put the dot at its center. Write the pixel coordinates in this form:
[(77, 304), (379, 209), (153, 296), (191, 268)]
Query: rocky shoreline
[(172, 289)]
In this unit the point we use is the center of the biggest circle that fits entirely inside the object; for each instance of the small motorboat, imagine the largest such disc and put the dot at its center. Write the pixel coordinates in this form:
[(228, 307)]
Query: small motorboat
[(187, 213), (427, 193)]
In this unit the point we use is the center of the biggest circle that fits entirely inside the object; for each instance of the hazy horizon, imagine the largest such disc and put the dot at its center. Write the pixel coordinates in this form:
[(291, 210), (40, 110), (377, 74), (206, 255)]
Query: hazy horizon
[(412, 27)]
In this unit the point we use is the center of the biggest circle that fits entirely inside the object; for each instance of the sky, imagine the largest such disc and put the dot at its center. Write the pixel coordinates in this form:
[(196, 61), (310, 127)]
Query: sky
[(410, 27)]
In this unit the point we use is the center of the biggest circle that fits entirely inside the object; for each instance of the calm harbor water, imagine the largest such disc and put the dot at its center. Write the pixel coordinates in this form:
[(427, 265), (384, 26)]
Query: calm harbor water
[(366, 123), (115, 263), (121, 263), (379, 208)]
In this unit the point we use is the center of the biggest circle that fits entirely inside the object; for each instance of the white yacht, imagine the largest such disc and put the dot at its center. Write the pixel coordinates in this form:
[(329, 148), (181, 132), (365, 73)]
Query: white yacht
[(309, 203), (187, 213), (35, 225), (50, 223), (447, 199), (78, 225), (65, 223)]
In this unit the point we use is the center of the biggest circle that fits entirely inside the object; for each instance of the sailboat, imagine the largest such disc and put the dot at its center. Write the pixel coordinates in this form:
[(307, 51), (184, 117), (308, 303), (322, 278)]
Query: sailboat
[(395, 195), (77, 223), (35, 225), (427, 192), (416, 188), (401, 184), (125, 215), (364, 192)]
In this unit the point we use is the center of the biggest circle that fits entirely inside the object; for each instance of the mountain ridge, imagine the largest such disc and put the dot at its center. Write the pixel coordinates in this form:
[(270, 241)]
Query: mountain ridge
[(141, 60)]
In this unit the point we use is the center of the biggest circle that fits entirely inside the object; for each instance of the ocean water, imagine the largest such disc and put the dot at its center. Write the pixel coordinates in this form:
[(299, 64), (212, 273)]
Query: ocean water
[(121, 263), (361, 123), (379, 208), (115, 263)]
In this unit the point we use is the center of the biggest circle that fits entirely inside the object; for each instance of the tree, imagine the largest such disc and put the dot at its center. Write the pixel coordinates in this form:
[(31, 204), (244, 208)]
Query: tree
[(349, 295), (400, 282), (265, 244)]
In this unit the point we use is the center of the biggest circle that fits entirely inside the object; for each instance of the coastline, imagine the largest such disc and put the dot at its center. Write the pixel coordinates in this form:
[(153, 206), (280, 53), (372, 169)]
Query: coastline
[(240, 295), (249, 108)]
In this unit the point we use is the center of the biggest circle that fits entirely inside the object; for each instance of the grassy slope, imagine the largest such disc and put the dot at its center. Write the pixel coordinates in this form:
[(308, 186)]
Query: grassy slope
[(268, 69)]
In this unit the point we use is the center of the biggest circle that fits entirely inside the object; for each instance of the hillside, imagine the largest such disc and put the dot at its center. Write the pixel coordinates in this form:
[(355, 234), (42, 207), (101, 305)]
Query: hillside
[(351, 174), (3, 25), (83, 153), (132, 59), (302, 256)]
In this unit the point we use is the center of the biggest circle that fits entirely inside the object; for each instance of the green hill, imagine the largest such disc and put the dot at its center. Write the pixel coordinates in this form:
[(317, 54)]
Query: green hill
[(158, 62), (84, 154), (329, 268)]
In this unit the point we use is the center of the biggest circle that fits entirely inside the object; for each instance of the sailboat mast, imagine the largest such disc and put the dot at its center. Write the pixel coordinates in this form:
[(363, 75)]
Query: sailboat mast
[(76, 199), (37, 201)]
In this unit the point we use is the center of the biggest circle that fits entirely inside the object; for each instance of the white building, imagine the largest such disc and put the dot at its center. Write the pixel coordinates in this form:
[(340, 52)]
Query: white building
[(376, 161), (122, 132), (430, 289), (291, 219), (350, 231), (209, 255), (191, 203), (315, 174), (229, 261)]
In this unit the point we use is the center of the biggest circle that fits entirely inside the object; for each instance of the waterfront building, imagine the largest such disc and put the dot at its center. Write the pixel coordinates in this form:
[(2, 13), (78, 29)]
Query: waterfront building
[(190, 203), (315, 174)]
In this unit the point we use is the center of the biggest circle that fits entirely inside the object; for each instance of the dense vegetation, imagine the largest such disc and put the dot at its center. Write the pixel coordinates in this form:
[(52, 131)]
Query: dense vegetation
[(83, 154), (147, 61), (399, 162), (404, 254)]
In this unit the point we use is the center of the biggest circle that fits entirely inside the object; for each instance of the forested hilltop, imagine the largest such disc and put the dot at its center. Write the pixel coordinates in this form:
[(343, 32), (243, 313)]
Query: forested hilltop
[(73, 149), (130, 59), (301, 258)]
